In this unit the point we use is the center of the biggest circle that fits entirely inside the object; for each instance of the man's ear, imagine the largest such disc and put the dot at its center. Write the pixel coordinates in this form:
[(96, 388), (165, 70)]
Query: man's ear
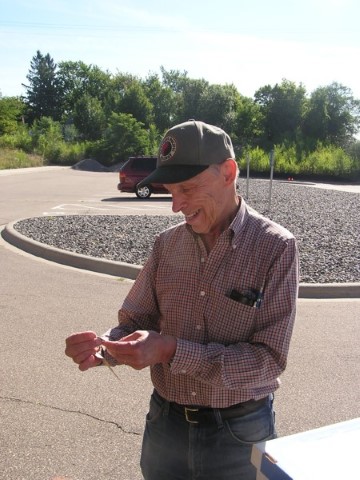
[(229, 171)]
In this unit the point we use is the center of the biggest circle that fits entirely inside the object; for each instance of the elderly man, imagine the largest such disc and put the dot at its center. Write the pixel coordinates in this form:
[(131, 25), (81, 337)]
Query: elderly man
[(211, 314)]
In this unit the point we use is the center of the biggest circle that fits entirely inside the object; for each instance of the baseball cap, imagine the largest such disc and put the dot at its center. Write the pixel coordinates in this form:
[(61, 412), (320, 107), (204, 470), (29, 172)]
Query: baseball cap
[(188, 149)]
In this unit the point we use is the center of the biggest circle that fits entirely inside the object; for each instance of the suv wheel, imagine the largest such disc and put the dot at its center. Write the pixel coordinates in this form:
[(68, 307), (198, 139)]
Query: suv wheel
[(143, 192)]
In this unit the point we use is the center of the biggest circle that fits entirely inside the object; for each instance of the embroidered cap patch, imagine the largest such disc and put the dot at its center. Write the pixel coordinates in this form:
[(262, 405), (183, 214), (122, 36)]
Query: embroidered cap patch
[(167, 149)]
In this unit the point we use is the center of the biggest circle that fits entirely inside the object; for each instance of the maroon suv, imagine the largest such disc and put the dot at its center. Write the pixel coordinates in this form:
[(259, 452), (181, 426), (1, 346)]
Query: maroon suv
[(135, 170)]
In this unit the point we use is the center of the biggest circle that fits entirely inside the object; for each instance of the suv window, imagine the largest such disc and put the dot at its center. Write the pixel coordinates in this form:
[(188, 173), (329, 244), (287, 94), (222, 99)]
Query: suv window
[(143, 164)]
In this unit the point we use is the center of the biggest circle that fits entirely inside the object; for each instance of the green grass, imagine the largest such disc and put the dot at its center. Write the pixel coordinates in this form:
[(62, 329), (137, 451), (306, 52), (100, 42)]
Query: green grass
[(14, 158)]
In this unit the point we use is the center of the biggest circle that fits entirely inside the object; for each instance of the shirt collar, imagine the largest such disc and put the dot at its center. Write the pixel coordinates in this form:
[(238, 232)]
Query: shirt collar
[(236, 225), (239, 221)]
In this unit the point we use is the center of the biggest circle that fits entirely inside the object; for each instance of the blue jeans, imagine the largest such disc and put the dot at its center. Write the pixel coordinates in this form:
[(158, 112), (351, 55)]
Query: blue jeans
[(174, 449)]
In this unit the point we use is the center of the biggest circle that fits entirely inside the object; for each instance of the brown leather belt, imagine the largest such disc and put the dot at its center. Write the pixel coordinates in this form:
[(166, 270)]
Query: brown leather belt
[(202, 415)]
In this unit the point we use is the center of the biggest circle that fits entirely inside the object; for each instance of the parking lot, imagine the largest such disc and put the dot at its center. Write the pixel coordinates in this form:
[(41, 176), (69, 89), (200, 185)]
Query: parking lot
[(57, 421)]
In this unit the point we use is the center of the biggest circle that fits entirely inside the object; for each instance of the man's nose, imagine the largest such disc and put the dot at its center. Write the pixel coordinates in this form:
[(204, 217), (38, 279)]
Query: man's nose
[(178, 202)]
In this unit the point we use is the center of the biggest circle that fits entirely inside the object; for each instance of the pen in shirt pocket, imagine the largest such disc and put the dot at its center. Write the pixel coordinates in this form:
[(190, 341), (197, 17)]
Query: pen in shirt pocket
[(250, 297)]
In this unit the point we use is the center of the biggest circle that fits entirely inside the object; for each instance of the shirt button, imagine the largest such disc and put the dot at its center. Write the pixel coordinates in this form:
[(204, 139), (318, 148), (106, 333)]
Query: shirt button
[(183, 371), (193, 394), (202, 293), (234, 246), (198, 327), (202, 259)]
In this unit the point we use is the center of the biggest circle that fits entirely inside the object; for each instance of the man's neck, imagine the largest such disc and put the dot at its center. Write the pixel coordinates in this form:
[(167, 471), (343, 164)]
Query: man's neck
[(209, 239)]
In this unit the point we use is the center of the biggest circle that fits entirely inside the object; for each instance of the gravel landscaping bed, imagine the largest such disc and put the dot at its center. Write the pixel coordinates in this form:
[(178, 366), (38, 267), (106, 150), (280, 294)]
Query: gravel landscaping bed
[(326, 224)]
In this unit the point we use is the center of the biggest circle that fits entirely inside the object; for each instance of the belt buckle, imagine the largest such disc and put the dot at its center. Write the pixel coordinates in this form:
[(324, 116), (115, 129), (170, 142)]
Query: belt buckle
[(187, 410)]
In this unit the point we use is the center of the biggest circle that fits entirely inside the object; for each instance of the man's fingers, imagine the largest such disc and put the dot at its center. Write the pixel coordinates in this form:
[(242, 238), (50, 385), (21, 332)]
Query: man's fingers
[(89, 362), (81, 342), (80, 337), (88, 348), (82, 356)]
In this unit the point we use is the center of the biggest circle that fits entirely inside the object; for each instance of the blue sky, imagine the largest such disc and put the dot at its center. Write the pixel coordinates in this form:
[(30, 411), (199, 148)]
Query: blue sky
[(248, 43)]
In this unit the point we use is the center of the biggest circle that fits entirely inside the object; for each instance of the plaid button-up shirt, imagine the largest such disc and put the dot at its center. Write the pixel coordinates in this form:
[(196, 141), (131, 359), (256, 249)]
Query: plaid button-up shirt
[(227, 351)]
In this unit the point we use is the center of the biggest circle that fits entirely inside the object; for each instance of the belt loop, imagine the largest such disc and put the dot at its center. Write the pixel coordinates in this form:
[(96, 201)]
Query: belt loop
[(218, 418), (166, 407)]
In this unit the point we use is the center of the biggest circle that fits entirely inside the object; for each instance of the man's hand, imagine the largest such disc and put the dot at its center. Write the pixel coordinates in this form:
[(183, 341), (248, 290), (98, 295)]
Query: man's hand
[(82, 347), (142, 348)]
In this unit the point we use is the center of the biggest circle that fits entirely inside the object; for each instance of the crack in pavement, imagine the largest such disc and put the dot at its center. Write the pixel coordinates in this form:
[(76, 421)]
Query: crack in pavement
[(52, 407)]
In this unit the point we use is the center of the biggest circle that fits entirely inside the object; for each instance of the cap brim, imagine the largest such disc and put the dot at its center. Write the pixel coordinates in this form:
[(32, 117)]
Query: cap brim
[(173, 174)]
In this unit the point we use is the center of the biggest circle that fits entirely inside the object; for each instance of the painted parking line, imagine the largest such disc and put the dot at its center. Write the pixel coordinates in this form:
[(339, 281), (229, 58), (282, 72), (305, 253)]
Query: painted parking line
[(82, 208), (74, 208), (120, 205)]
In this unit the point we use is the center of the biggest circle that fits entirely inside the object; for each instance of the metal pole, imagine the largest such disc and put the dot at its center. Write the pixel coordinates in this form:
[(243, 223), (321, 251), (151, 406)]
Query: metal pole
[(247, 175), (272, 158)]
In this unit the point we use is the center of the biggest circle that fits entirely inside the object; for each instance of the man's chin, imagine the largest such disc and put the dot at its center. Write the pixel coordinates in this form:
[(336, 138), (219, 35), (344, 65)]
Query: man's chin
[(200, 231)]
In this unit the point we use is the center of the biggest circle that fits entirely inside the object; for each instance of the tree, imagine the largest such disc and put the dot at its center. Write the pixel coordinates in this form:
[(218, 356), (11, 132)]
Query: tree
[(248, 125), (11, 112), (46, 136), (118, 86), (136, 103), (219, 105), (174, 79), (43, 94), (282, 107), (89, 117), (78, 79), (177, 81), (191, 105), (125, 137), (333, 116), (163, 102)]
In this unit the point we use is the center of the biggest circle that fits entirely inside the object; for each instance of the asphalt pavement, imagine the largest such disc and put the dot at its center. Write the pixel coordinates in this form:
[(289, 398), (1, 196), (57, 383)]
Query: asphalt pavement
[(57, 422)]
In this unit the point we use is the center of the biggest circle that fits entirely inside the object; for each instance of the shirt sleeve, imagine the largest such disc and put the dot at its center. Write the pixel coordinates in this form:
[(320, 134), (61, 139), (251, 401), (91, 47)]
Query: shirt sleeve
[(140, 309), (260, 360)]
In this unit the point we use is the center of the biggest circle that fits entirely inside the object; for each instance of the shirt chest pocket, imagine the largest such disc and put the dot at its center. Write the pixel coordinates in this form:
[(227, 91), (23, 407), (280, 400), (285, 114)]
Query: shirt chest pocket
[(228, 321)]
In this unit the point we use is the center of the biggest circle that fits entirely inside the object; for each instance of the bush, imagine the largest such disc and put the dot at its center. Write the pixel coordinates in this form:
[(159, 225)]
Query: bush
[(46, 136), (20, 139), (259, 161), (67, 154), (325, 161), (124, 136), (14, 158), (286, 160), (328, 160)]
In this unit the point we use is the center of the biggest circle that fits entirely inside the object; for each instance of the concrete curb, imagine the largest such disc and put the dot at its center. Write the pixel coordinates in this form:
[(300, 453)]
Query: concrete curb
[(71, 259), (329, 290), (127, 270)]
